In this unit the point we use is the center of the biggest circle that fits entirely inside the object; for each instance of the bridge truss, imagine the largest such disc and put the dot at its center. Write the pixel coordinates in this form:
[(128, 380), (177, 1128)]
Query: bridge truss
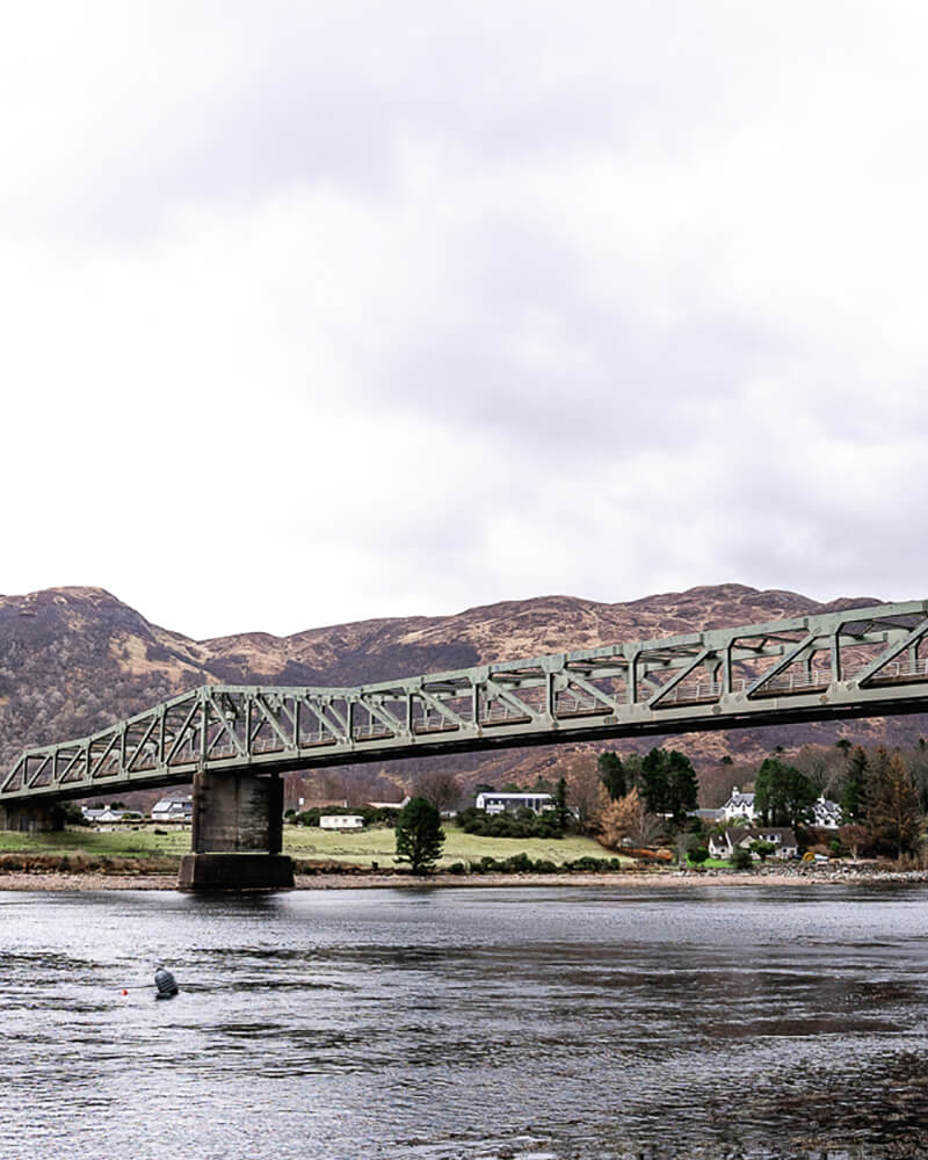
[(854, 663)]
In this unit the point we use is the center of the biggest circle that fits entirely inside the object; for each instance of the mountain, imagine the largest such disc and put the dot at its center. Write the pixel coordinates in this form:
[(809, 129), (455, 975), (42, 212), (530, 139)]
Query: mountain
[(73, 660)]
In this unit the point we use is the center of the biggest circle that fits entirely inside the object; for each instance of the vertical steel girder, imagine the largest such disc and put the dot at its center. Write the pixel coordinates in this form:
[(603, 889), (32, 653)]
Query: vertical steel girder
[(857, 662)]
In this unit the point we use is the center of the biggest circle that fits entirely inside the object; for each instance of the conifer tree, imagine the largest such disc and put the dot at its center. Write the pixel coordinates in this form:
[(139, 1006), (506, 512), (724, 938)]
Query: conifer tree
[(669, 784), (561, 810), (853, 795), (612, 775), (419, 836), (783, 795)]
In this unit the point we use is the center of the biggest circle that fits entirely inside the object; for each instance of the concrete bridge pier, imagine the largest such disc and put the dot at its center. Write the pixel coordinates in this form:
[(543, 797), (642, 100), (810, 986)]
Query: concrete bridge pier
[(237, 834), (31, 817)]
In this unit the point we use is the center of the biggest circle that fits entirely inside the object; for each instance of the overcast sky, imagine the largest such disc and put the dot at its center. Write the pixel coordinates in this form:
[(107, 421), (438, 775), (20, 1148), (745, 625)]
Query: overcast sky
[(319, 311)]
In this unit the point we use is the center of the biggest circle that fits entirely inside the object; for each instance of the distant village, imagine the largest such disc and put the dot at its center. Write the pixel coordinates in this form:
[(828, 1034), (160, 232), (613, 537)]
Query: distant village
[(640, 804)]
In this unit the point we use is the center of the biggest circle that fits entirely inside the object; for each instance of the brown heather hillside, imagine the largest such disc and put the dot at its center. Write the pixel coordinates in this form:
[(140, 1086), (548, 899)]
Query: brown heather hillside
[(73, 660)]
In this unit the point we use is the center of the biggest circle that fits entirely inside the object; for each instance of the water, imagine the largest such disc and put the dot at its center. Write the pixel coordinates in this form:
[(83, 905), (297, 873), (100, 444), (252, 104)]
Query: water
[(537, 1024)]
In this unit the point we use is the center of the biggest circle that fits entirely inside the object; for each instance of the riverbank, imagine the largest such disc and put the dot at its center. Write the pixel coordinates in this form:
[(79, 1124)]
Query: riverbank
[(778, 876)]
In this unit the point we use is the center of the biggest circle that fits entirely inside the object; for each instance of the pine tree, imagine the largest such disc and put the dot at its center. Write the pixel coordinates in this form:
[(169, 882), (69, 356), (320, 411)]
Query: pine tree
[(654, 781), (669, 784), (783, 795), (561, 811), (419, 836), (683, 786), (853, 795), (612, 775)]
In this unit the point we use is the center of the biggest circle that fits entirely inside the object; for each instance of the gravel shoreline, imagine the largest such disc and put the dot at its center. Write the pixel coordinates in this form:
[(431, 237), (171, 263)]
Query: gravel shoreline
[(793, 876)]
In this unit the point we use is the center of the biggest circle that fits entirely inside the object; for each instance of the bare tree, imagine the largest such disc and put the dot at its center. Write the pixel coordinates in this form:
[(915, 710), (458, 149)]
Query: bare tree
[(438, 787), (584, 785)]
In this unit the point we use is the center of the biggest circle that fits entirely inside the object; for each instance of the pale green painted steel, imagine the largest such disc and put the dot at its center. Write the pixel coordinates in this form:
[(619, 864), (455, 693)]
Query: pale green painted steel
[(853, 663)]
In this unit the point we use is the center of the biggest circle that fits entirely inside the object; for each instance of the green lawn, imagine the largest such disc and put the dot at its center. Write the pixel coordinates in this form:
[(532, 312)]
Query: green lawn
[(379, 845), (373, 845), (126, 843)]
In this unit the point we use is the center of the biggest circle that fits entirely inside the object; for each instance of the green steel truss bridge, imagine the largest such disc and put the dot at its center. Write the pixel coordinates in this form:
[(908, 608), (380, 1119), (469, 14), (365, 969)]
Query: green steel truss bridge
[(857, 663)]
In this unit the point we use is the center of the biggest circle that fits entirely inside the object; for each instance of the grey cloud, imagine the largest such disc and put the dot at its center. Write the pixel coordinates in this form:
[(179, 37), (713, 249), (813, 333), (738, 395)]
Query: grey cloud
[(318, 93)]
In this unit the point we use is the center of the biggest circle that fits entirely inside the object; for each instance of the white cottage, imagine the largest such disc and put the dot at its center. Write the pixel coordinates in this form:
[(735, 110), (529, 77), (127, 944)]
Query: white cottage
[(496, 802), (341, 822), (724, 844)]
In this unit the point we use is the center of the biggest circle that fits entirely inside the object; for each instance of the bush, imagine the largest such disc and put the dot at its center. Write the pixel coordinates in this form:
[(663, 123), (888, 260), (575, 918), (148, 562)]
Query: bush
[(522, 824), (73, 815), (741, 859), (698, 856)]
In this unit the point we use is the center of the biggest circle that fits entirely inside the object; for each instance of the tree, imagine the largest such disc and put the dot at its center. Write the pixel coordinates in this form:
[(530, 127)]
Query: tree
[(741, 859), (853, 794), (584, 787), (561, 810), (917, 760), (627, 818), (824, 767), (893, 815), (783, 796), (612, 775), (439, 787), (763, 849), (419, 836), (669, 784), (855, 837)]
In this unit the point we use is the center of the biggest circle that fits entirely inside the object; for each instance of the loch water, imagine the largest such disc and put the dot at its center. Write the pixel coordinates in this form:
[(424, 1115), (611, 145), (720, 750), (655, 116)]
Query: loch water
[(467, 1024)]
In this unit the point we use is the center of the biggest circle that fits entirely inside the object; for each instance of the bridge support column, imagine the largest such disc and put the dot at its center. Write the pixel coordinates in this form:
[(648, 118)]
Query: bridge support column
[(237, 834), (31, 818)]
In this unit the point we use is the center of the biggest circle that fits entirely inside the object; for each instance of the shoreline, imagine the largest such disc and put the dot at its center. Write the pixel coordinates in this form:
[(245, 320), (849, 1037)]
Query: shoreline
[(56, 882)]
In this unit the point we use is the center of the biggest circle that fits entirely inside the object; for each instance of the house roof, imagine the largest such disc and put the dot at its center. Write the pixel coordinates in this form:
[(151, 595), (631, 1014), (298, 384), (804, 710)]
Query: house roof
[(738, 834)]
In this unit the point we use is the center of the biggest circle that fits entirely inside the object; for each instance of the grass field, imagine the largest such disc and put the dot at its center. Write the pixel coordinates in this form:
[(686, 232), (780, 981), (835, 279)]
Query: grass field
[(373, 845), (378, 845)]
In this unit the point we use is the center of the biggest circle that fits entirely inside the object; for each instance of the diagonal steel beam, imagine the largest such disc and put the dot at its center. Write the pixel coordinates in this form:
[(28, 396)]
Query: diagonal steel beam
[(226, 727), (680, 676), (891, 653), (268, 714), (785, 661)]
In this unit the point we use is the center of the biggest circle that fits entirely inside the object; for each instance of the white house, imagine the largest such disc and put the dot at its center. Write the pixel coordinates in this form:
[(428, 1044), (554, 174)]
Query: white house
[(827, 814), (740, 808), (493, 802), (341, 822), (723, 845), (102, 814), (173, 809)]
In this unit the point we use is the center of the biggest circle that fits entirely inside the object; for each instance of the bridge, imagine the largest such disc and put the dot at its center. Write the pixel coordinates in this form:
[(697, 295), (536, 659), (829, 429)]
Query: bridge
[(232, 742)]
